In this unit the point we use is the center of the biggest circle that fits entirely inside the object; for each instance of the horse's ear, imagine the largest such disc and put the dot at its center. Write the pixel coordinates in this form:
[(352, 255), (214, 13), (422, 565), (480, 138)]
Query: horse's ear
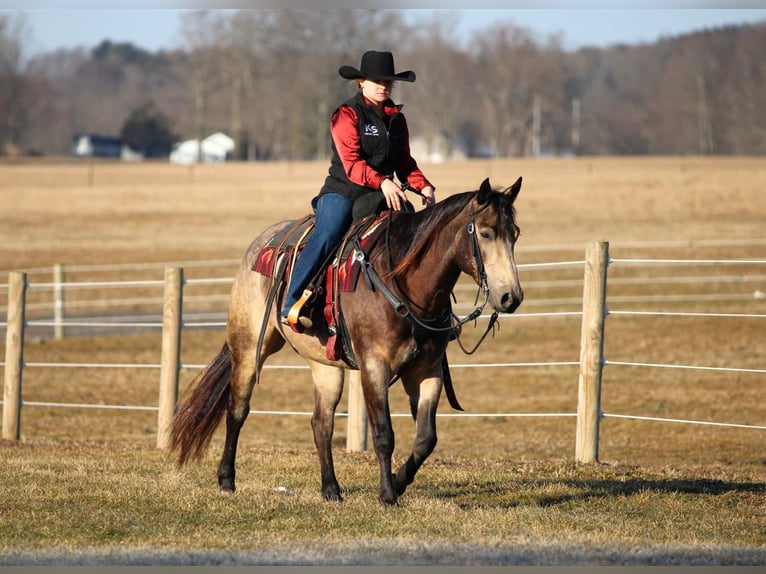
[(514, 190), (484, 190)]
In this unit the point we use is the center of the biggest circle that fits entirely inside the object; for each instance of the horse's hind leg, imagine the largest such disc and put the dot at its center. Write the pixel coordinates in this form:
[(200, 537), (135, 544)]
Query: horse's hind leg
[(242, 381), (424, 399), (328, 388), (243, 375)]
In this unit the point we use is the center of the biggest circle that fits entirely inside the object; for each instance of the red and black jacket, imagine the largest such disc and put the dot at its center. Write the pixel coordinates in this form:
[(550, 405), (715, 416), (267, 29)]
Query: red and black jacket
[(368, 148)]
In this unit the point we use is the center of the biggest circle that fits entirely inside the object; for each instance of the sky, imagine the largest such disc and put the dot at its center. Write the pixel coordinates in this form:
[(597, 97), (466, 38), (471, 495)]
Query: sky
[(155, 29)]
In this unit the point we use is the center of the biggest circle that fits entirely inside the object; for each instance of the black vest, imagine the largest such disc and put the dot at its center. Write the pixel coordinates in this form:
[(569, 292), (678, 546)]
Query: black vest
[(381, 139)]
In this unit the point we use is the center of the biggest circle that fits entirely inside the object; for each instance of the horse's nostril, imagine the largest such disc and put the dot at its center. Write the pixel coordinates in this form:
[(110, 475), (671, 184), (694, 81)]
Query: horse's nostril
[(511, 301)]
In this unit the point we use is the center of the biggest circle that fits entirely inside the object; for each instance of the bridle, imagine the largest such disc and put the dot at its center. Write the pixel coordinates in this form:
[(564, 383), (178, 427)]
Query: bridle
[(403, 305), (483, 287)]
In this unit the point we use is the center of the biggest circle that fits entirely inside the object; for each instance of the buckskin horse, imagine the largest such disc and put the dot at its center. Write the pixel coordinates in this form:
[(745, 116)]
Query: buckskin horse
[(396, 324)]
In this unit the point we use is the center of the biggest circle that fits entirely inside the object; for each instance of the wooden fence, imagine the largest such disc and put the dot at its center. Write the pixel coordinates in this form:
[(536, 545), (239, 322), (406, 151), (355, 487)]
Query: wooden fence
[(591, 361)]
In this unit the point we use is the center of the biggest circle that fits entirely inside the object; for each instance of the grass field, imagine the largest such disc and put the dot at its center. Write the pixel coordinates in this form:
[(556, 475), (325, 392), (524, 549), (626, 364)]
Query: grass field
[(88, 486)]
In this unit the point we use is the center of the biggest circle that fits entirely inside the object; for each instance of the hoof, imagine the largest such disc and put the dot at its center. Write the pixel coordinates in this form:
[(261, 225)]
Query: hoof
[(226, 485), (388, 499), (400, 482), (332, 494)]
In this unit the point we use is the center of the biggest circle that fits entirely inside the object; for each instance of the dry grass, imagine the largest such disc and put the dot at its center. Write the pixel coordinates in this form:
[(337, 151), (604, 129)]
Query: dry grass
[(131, 507), (140, 213), (500, 489)]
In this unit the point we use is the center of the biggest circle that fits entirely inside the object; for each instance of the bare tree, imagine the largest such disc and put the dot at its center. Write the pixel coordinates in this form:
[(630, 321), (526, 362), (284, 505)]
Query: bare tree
[(511, 66), (740, 95), (443, 94), (269, 78), (199, 29), (615, 114), (13, 82), (52, 104)]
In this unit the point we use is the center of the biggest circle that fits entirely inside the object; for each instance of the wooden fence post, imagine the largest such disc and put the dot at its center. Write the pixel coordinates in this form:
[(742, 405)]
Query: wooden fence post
[(171, 353), (356, 436), (58, 301), (591, 352), (14, 355)]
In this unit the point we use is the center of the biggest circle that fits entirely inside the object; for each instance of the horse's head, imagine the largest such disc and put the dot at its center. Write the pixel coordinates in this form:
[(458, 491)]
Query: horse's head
[(494, 232)]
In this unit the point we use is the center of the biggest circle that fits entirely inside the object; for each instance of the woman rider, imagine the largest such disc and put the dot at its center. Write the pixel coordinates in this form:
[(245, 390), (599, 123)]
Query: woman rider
[(370, 144)]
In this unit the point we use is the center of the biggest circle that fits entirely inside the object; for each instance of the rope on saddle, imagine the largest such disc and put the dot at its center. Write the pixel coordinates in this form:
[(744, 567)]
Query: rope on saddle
[(276, 282)]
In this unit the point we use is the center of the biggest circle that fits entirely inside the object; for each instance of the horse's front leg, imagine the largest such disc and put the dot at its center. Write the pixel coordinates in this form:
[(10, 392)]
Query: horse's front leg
[(375, 388), (328, 388), (424, 397)]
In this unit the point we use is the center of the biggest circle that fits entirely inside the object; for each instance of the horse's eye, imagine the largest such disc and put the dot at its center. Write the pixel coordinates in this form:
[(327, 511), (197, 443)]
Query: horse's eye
[(484, 235)]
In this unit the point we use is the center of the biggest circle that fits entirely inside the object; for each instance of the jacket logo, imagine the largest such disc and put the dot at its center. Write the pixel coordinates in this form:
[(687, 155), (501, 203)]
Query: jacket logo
[(371, 130)]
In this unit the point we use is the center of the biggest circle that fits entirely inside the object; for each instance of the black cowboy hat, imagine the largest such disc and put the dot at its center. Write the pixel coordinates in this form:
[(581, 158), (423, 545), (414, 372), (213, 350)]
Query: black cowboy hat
[(376, 66)]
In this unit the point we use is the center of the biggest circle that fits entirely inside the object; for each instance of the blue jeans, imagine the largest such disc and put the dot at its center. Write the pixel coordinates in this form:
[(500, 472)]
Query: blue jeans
[(332, 220)]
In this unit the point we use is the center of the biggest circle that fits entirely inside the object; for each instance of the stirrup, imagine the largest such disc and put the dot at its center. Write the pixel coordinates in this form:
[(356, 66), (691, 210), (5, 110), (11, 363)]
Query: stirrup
[(294, 314)]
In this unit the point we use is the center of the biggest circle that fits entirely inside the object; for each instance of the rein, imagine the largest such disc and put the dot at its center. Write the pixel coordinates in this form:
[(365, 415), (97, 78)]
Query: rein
[(403, 308)]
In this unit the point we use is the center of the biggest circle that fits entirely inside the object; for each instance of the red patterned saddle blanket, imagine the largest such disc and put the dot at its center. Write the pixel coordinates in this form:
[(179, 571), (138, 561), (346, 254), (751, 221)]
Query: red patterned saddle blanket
[(284, 243), (290, 243), (342, 275)]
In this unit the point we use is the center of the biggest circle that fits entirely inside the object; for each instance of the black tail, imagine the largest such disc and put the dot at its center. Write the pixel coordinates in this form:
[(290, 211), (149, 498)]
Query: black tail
[(196, 420)]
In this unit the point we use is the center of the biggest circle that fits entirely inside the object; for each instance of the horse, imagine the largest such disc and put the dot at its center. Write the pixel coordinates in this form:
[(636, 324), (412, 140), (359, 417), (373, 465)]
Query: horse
[(398, 325)]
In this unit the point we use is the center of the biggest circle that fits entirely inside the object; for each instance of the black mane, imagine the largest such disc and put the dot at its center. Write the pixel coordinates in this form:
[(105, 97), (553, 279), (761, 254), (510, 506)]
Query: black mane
[(411, 233)]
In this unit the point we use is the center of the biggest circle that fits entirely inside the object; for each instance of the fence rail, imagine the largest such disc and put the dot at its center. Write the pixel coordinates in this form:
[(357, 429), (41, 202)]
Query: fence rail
[(591, 363)]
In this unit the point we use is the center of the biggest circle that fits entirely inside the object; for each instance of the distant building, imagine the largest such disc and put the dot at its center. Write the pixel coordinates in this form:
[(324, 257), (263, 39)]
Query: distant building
[(437, 149), (215, 148), (94, 145)]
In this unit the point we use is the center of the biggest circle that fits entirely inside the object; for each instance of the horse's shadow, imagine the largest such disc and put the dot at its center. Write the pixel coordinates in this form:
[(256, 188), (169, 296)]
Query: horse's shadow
[(537, 492)]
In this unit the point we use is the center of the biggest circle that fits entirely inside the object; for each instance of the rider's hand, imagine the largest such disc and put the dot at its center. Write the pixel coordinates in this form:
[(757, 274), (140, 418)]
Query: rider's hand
[(429, 195), (395, 197)]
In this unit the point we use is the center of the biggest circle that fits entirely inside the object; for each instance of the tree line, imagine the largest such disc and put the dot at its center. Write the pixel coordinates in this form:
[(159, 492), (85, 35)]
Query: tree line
[(268, 78)]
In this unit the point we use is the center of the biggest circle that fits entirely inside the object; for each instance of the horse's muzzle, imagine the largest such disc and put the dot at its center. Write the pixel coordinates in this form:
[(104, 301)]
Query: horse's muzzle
[(511, 300)]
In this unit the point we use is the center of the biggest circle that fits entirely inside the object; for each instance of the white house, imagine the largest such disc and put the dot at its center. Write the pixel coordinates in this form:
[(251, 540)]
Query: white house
[(214, 149)]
